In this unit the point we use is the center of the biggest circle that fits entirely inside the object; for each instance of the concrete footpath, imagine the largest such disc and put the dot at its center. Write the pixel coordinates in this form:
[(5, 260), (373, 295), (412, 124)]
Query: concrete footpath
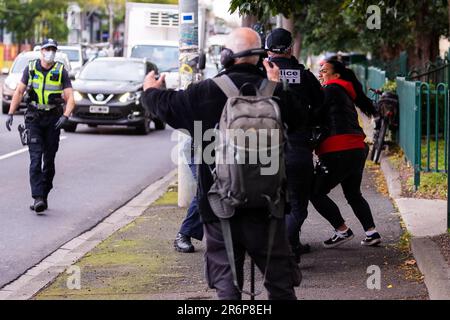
[(423, 219), (131, 256)]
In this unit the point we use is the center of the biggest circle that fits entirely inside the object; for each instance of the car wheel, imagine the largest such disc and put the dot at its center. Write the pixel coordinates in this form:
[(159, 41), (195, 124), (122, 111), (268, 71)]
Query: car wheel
[(70, 127), (144, 127), (5, 108), (159, 125)]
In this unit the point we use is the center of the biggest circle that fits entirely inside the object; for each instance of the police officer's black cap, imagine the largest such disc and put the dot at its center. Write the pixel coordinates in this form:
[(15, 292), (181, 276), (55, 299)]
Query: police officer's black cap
[(279, 40), (47, 43)]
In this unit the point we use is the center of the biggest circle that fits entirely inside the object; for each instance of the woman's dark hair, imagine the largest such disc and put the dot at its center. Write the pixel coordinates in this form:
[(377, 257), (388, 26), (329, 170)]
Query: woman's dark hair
[(362, 101)]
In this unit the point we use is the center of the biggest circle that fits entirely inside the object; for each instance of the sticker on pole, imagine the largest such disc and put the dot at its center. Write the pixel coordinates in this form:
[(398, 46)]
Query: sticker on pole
[(187, 17)]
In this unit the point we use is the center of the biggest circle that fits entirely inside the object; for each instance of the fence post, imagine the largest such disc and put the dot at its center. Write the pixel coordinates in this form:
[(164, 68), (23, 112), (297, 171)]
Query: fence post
[(418, 134)]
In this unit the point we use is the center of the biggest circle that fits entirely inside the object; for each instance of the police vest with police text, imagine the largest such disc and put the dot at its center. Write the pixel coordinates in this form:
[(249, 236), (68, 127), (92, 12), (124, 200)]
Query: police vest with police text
[(47, 87)]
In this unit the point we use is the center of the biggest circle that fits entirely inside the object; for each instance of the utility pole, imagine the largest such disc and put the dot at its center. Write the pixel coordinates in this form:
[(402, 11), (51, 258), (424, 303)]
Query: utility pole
[(189, 54)]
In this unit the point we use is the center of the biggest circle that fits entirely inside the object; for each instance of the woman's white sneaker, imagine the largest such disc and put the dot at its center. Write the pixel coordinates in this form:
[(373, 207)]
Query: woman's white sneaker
[(339, 238)]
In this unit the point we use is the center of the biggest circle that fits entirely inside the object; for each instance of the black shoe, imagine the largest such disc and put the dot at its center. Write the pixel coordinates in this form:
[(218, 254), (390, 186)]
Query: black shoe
[(338, 238), (183, 243), (299, 250), (373, 240), (39, 205)]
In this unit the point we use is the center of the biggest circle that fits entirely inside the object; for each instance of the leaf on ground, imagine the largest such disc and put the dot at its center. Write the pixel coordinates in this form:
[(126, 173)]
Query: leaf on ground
[(411, 262)]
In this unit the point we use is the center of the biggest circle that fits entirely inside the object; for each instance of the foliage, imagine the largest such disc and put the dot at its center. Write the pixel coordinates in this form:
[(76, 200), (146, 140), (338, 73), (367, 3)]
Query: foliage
[(340, 25), (266, 9), (22, 16), (390, 86)]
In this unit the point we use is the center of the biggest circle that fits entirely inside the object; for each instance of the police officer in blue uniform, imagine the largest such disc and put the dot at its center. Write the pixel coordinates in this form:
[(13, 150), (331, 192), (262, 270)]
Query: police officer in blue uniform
[(307, 95), (48, 88)]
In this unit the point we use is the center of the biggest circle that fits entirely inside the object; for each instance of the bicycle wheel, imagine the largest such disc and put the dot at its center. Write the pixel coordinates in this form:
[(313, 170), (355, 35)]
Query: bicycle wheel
[(378, 147), (376, 133)]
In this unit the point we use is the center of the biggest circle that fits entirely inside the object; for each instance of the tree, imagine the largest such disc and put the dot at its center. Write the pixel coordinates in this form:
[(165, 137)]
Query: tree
[(333, 25), (24, 17)]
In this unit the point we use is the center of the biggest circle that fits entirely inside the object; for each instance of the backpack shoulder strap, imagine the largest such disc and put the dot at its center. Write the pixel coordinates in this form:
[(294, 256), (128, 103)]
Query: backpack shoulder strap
[(227, 86), (267, 88)]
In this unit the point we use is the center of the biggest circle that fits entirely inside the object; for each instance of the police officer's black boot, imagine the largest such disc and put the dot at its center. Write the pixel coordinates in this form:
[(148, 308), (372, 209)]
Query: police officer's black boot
[(39, 205)]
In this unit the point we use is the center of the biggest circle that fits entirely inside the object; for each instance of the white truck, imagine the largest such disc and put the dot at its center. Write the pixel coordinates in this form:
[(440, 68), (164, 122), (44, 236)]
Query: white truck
[(151, 32)]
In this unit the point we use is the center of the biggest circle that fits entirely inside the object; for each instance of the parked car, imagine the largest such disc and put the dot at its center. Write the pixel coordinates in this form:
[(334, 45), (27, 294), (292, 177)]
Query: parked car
[(15, 74), (76, 54), (107, 92)]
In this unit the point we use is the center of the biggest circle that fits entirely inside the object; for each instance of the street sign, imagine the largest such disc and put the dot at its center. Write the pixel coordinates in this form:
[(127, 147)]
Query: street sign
[(187, 18)]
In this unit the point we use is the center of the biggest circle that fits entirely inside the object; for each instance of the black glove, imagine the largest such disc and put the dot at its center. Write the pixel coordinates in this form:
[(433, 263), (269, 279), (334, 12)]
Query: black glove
[(9, 122), (62, 120)]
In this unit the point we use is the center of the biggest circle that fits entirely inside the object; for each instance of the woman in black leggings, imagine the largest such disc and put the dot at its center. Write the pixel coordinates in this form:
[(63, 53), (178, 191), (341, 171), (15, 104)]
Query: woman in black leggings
[(343, 153)]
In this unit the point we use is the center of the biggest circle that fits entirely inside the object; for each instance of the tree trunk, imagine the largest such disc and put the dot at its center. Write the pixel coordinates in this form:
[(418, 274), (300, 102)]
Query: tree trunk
[(289, 24), (426, 46), (297, 48), (111, 23), (249, 21), (448, 5)]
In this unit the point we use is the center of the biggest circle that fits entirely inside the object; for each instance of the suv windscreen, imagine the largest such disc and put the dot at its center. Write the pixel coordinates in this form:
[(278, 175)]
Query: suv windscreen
[(73, 55), (164, 57), (113, 70), (20, 65)]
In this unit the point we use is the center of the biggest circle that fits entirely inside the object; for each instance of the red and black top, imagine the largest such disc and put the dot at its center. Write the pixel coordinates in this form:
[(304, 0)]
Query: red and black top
[(340, 117)]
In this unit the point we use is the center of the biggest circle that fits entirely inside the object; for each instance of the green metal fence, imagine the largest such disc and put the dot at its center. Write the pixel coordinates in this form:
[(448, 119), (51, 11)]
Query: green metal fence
[(376, 78), (361, 72), (409, 112), (433, 126), (423, 133), (424, 128)]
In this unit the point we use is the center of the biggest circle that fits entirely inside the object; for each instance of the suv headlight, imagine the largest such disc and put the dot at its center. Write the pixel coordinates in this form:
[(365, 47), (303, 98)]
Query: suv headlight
[(77, 96), (130, 96), (11, 84)]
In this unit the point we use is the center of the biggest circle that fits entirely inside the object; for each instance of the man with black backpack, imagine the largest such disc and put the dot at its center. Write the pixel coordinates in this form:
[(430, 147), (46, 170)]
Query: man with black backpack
[(306, 95), (235, 217)]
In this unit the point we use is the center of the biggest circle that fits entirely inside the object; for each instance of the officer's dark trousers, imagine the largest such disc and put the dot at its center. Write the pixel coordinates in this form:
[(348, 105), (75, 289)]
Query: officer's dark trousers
[(345, 168), (192, 226), (250, 234), (43, 145), (300, 172)]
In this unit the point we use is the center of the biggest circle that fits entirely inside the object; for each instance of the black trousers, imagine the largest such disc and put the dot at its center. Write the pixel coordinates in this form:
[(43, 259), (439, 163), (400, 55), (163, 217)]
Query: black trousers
[(250, 234), (345, 168), (43, 144), (300, 172)]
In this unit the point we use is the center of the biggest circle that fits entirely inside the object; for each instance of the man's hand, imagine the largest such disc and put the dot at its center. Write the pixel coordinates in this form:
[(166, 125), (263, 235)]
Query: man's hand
[(150, 81), (62, 120), (273, 72), (9, 122)]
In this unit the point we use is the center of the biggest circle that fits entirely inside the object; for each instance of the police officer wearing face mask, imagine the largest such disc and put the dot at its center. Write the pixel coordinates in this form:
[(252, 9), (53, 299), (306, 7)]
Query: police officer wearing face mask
[(48, 87), (306, 95)]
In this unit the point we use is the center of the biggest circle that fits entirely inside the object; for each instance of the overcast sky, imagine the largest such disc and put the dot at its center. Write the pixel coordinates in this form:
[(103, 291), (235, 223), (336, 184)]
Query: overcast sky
[(220, 8)]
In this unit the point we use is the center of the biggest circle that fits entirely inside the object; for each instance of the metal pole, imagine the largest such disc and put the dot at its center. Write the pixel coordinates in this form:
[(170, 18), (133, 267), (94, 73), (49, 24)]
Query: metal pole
[(448, 165), (111, 22), (252, 279), (188, 58)]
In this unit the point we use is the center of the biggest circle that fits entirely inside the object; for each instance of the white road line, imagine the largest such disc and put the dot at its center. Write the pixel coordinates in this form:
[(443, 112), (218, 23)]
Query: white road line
[(15, 153)]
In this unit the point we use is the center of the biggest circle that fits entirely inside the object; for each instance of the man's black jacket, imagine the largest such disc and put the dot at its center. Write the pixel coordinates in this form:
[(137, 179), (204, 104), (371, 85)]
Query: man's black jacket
[(204, 101)]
